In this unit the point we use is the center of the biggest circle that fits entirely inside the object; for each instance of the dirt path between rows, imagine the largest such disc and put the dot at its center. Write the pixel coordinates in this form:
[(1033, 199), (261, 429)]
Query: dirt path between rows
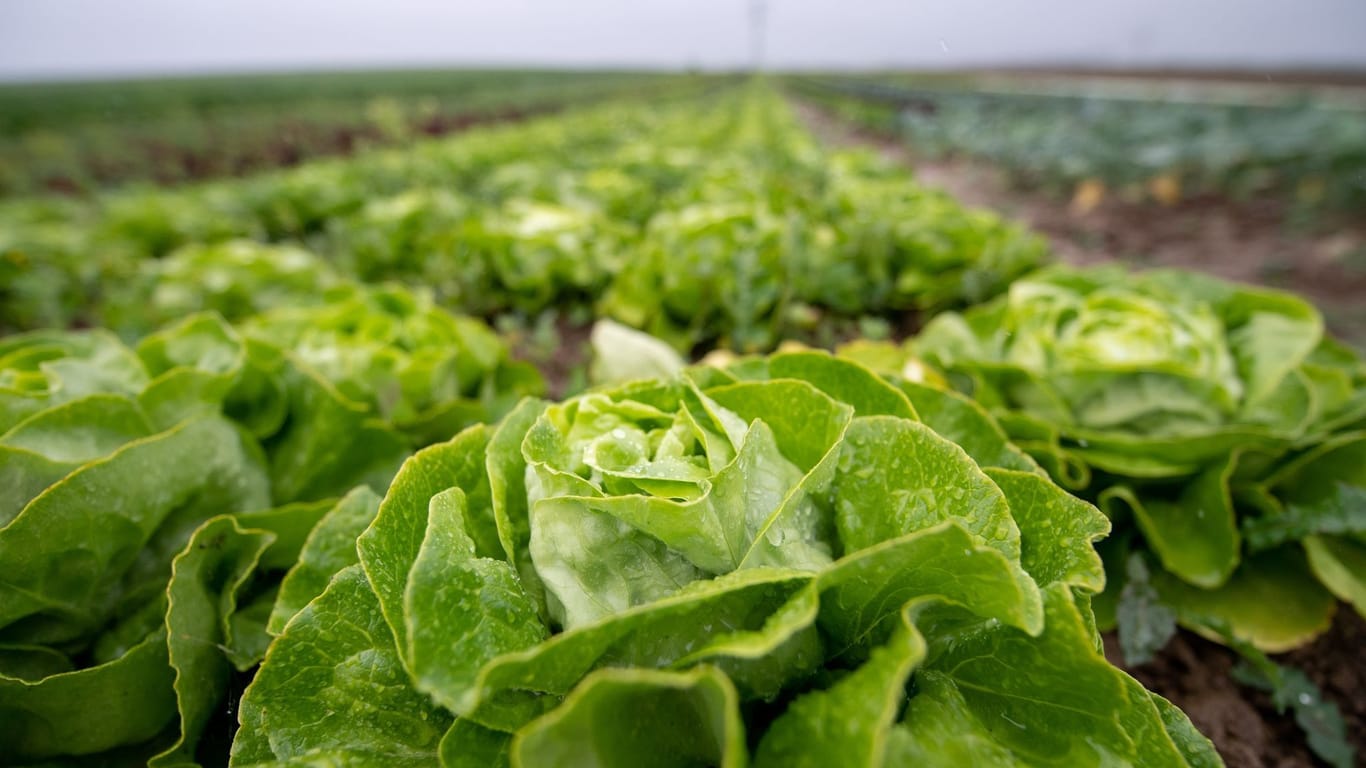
[(1256, 241), (1249, 242)]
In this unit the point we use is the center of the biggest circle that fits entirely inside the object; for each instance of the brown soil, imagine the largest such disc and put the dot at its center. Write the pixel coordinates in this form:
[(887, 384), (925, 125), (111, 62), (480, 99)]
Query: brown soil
[(167, 163), (1245, 727), (561, 353), (1256, 241)]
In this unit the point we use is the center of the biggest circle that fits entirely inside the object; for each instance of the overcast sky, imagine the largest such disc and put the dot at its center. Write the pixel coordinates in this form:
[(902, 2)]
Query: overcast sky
[(72, 38)]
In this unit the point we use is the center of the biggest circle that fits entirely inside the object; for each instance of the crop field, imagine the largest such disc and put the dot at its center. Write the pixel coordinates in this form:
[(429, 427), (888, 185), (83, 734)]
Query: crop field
[(80, 137), (1312, 153), (467, 418), (1250, 181)]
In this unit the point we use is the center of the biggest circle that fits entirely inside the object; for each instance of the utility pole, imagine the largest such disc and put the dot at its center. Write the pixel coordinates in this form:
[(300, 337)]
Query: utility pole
[(758, 10)]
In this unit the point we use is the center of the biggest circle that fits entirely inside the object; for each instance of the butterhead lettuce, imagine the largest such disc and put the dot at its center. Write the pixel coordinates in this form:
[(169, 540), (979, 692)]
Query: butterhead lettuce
[(1215, 423), (152, 498), (778, 563)]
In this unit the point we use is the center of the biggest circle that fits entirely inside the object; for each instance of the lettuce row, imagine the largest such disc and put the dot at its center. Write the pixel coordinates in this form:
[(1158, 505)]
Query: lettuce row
[(154, 496), (235, 278), (716, 222), (61, 259), (1214, 423), (785, 562), (773, 233)]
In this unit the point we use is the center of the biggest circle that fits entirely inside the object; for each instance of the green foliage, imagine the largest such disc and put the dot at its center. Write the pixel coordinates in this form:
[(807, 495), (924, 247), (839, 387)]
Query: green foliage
[(236, 279), (141, 552), (84, 136), (1300, 148), (778, 562), (1215, 419), (1145, 623), (789, 560), (714, 222)]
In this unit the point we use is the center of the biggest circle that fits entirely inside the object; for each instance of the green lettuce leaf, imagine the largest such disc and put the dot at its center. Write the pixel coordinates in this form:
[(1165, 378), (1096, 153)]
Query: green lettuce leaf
[(1052, 700), (103, 532), (677, 718), (369, 711), (205, 578), (331, 546)]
